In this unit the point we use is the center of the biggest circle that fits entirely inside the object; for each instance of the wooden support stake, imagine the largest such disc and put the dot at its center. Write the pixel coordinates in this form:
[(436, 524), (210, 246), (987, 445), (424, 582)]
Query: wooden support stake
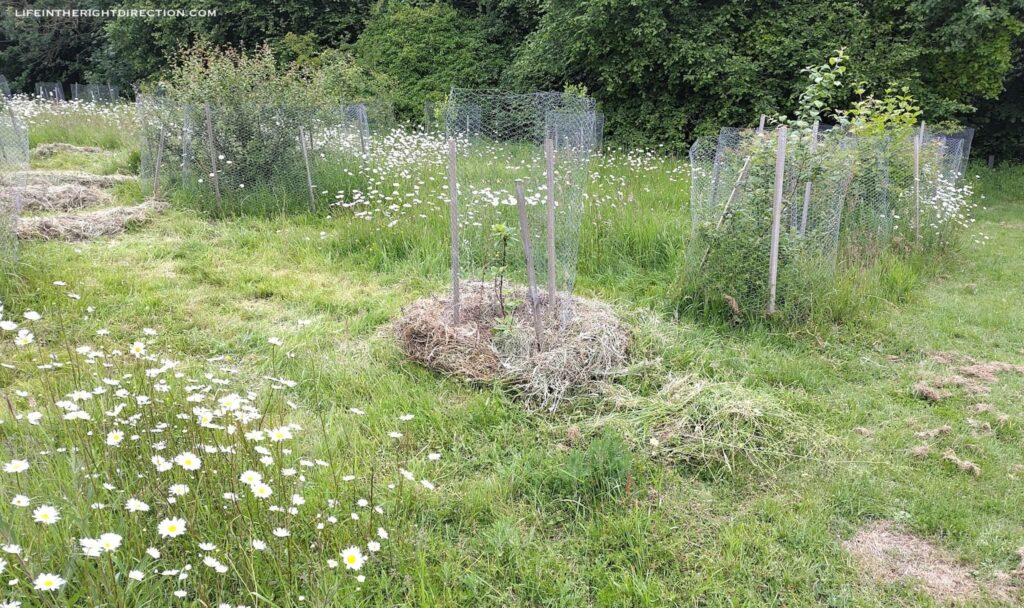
[(773, 260), (549, 154), (807, 186), (991, 160), (159, 161), (918, 142), (531, 277), (362, 119), (309, 174), (213, 157), (453, 220)]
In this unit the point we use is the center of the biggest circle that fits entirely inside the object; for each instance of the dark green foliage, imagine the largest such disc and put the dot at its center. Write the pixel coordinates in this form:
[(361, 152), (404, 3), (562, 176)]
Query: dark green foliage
[(666, 69), (663, 71), (428, 50)]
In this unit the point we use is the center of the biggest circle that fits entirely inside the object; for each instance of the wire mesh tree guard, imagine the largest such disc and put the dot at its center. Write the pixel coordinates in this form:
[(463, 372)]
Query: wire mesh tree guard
[(97, 93), (518, 161), (14, 161), (50, 90), (5, 87), (766, 212), (835, 198), (249, 157)]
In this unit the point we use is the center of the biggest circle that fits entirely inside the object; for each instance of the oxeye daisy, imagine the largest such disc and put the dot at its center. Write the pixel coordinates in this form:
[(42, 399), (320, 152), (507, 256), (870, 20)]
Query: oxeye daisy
[(115, 437), (138, 349), (188, 461), (46, 514), (48, 582), (261, 490), (171, 528), (16, 466), (134, 505), (352, 558), (250, 477)]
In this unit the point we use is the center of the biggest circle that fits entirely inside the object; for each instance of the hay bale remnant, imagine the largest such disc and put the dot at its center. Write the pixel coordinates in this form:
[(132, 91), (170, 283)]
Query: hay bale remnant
[(80, 178), (48, 150), (487, 347), (86, 226), (57, 197)]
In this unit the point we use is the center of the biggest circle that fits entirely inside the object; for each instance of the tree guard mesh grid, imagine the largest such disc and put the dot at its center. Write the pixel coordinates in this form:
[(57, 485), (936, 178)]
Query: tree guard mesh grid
[(104, 93), (728, 258), (250, 157), (500, 138), (50, 90), (14, 162), (867, 221)]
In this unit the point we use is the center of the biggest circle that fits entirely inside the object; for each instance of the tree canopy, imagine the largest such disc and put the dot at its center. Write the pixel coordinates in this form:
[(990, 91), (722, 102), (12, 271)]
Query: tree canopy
[(661, 70)]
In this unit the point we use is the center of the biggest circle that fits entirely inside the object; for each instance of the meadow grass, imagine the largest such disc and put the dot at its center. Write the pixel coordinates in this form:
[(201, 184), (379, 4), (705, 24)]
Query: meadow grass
[(566, 509)]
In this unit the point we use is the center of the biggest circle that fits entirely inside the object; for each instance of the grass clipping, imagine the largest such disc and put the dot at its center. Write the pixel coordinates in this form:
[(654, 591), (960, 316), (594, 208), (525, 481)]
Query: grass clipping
[(57, 197), (716, 429), (578, 358), (86, 226)]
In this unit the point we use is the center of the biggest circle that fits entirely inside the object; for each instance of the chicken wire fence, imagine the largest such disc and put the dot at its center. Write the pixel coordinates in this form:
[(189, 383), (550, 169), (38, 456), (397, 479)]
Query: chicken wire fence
[(518, 173), (50, 90), (839, 199), (249, 157), (14, 157), (105, 93)]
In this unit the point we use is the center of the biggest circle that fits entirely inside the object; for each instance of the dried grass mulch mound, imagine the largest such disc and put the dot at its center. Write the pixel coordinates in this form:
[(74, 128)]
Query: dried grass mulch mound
[(47, 150), (36, 178), (579, 356), (85, 226), (889, 555), (56, 197)]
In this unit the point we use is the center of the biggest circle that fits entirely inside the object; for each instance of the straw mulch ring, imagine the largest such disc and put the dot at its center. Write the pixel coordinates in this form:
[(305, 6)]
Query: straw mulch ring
[(47, 150), (59, 197), (37, 177), (577, 360), (85, 226)]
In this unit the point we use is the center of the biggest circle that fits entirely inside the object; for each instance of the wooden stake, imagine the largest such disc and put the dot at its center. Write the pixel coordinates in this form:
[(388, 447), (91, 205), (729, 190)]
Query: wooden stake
[(531, 277), (807, 186), (213, 157), (309, 174), (159, 161), (549, 154), (991, 160), (453, 220), (773, 261), (918, 142)]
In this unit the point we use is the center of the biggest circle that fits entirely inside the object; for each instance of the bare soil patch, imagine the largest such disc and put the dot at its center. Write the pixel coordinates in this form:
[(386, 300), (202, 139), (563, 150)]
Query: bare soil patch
[(888, 555)]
